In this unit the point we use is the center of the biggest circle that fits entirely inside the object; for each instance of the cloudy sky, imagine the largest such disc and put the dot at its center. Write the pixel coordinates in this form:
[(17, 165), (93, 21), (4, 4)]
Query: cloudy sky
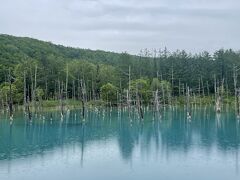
[(126, 25)]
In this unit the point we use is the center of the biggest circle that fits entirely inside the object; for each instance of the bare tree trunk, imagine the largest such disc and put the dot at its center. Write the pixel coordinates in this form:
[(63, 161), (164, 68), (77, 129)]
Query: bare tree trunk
[(139, 105), (156, 104), (93, 91), (61, 100), (24, 92), (10, 96), (172, 80), (199, 90), (73, 91), (32, 87), (188, 104), (235, 87), (129, 90), (83, 92), (215, 88), (35, 88), (179, 88), (163, 96), (208, 89), (203, 92), (46, 89), (28, 106), (67, 83)]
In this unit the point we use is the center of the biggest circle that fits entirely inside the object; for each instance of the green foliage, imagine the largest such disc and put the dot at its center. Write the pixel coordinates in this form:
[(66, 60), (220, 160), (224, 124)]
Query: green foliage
[(142, 88), (155, 85), (5, 92), (165, 87), (39, 93), (108, 74), (81, 69), (109, 93)]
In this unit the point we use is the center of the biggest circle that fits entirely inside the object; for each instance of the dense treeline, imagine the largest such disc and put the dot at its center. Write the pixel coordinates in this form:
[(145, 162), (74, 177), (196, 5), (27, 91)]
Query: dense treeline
[(38, 70)]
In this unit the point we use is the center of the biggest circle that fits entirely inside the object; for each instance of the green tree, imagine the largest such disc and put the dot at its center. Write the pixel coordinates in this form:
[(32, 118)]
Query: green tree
[(142, 88), (155, 85), (109, 93), (39, 93), (5, 92), (166, 87)]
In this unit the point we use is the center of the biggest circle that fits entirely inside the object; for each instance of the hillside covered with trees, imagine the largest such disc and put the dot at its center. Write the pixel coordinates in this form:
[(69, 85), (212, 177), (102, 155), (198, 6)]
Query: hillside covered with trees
[(37, 70)]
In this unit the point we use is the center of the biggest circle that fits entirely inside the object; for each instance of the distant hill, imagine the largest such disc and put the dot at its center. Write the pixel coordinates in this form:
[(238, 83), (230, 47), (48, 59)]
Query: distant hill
[(15, 49)]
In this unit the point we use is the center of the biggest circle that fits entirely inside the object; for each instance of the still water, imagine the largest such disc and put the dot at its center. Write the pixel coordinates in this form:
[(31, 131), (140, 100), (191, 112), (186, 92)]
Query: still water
[(108, 145)]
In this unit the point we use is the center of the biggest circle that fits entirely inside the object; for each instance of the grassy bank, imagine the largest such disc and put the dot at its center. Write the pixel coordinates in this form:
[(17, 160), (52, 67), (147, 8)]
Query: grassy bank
[(100, 103), (76, 104)]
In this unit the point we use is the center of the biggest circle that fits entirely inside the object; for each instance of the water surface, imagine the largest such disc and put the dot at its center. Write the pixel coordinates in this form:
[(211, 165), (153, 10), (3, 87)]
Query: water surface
[(109, 145)]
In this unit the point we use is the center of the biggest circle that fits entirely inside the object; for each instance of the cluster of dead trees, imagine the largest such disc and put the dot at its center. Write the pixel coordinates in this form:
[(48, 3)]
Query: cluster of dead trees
[(132, 97)]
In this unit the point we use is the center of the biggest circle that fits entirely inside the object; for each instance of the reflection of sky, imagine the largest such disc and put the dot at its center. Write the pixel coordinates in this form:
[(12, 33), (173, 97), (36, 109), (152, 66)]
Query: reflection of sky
[(128, 150)]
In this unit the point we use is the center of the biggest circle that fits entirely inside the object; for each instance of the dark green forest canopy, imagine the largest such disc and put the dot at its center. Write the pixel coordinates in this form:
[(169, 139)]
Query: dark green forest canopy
[(98, 68)]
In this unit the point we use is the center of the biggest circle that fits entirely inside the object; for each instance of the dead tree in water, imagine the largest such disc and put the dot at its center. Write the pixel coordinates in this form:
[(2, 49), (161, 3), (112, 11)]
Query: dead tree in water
[(235, 75), (32, 88), (215, 88), (140, 108), (156, 104), (35, 88), (10, 96), (208, 93), (203, 91), (188, 104), (128, 92), (66, 83), (139, 104), (172, 85), (60, 86), (163, 96), (24, 92), (218, 102), (28, 106), (73, 90), (28, 109), (217, 96), (83, 93), (199, 91)]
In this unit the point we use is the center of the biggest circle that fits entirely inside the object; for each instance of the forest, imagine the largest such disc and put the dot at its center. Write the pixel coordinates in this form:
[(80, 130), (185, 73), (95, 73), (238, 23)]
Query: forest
[(33, 72)]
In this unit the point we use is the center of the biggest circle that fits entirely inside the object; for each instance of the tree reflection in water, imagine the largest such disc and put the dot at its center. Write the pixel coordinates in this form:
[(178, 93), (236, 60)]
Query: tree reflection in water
[(207, 131)]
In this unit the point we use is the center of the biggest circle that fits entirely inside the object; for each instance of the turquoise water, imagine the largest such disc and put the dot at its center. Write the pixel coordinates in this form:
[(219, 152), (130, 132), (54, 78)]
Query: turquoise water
[(108, 145)]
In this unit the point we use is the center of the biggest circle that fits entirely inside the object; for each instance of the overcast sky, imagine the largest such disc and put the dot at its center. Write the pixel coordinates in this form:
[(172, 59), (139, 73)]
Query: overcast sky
[(126, 25)]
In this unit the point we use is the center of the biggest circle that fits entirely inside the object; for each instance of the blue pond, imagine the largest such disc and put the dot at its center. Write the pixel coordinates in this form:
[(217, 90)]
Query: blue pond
[(110, 145)]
